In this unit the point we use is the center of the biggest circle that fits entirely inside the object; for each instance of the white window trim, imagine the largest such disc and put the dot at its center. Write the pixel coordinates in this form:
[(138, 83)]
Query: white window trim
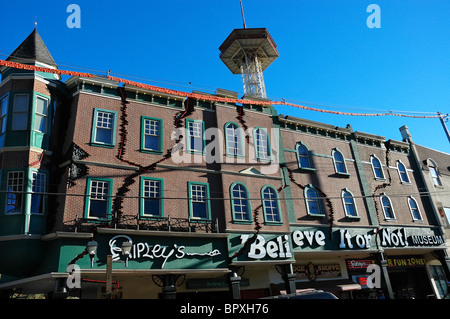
[(406, 172), (383, 178), (354, 204), (392, 207), (334, 151), (418, 209)]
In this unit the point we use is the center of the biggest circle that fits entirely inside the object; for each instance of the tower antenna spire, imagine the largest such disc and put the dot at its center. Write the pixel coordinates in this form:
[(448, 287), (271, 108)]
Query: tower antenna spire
[(242, 12)]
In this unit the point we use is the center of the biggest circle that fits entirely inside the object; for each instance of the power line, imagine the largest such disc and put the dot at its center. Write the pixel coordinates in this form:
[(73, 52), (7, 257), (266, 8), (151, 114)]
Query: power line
[(421, 194), (276, 101)]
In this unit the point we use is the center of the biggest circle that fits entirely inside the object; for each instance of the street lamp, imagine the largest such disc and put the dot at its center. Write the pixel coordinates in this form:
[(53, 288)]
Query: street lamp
[(126, 249), (91, 248)]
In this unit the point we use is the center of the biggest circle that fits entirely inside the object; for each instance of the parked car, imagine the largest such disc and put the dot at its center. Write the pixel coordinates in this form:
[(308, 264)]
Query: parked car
[(314, 294)]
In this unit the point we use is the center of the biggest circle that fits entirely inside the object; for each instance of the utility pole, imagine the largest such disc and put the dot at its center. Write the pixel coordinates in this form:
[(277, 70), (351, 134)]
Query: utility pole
[(441, 117), (108, 277)]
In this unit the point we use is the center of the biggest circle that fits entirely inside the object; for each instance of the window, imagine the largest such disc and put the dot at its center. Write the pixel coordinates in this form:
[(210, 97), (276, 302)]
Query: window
[(40, 116), (440, 280), (151, 193), (199, 200), (339, 162), (387, 207), (151, 134), (447, 214), (37, 186), (104, 127), (20, 112), (195, 141), (271, 205), (434, 173), (262, 144), (404, 178), (234, 140), (349, 203), (414, 208), (14, 195), (312, 199), (304, 156), (3, 114), (98, 202), (377, 168), (240, 203)]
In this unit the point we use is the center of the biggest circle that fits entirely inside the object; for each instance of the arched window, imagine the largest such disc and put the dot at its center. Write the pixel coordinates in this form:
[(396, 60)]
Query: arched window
[(388, 210), (240, 203), (271, 205), (234, 139), (377, 168), (339, 162), (262, 144), (304, 156), (312, 199), (349, 203), (434, 171), (414, 208), (404, 178)]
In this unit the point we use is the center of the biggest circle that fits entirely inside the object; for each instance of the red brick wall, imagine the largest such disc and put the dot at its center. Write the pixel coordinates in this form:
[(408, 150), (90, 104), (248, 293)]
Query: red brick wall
[(324, 177)]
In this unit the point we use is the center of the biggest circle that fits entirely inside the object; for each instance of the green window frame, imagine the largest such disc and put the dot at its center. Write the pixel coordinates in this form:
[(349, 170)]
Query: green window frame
[(151, 197), (313, 201), (15, 186), (262, 144), (304, 158), (199, 202), (151, 135), (20, 109), (103, 124), (240, 203), (39, 181), (234, 140), (98, 197), (195, 132), (271, 205), (4, 103), (41, 114)]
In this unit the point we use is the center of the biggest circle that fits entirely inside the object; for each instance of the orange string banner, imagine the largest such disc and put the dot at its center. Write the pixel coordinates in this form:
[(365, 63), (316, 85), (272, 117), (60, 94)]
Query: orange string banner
[(206, 97)]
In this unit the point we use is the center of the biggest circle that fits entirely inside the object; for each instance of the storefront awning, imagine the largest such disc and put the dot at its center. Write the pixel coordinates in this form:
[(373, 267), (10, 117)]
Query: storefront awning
[(329, 285), (37, 284)]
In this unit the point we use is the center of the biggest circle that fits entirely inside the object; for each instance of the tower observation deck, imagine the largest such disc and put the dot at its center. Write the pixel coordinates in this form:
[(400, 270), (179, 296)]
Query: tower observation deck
[(249, 52)]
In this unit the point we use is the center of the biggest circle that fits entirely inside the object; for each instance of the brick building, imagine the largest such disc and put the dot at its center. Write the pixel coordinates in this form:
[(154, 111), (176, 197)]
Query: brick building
[(211, 197)]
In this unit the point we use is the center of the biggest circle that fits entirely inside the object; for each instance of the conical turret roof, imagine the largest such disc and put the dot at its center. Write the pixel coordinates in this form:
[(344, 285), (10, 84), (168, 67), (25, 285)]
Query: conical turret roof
[(33, 49)]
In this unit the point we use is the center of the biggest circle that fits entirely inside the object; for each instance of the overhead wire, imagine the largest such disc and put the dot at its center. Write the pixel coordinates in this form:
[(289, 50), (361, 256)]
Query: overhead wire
[(281, 101), (420, 194)]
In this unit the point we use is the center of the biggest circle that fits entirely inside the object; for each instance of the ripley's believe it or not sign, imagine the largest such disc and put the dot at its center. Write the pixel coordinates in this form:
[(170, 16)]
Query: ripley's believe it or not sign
[(268, 247), (165, 252), (359, 238), (212, 253)]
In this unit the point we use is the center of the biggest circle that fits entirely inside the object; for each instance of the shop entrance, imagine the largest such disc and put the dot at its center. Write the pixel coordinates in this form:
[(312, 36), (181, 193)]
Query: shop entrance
[(410, 283)]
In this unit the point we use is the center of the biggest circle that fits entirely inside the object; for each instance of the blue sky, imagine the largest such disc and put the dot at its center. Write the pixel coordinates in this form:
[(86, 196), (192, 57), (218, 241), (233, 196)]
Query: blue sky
[(328, 55)]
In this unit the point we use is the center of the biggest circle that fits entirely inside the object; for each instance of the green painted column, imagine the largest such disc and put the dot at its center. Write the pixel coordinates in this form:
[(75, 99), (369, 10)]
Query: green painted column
[(364, 185)]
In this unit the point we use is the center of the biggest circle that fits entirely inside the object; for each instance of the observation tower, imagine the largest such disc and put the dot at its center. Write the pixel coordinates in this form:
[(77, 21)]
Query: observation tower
[(249, 51)]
